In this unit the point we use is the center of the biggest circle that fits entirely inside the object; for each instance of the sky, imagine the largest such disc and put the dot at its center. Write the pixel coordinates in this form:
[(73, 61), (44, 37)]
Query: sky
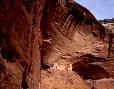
[(101, 9)]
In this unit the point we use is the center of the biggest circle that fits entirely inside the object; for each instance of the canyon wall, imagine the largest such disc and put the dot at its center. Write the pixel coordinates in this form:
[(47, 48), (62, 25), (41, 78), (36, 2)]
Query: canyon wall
[(20, 30), (70, 28), (32, 31)]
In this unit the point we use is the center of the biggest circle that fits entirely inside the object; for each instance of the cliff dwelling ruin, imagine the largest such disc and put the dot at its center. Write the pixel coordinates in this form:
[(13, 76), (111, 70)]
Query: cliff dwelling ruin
[(54, 44)]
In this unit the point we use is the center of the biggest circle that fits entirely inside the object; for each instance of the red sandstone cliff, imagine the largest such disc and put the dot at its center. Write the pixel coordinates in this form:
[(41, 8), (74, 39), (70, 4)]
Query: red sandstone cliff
[(43, 30), (20, 28)]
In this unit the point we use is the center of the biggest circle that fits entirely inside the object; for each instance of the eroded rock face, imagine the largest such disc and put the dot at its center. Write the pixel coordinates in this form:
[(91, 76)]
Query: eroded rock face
[(64, 26), (69, 28), (20, 28), (109, 25)]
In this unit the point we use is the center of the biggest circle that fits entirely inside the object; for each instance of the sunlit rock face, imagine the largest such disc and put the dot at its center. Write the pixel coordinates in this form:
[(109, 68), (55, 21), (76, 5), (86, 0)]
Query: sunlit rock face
[(71, 33), (68, 28), (50, 30), (108, 23)]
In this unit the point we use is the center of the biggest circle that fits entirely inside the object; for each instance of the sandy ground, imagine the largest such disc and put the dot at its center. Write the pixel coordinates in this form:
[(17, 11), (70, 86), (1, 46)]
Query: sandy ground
[(56, 79), (61, 79)]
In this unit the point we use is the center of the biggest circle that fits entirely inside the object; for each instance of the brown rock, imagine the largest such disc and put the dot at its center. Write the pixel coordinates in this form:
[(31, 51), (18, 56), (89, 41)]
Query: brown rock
[(20, 28), (71, 28), (64, 26), (56, 79)]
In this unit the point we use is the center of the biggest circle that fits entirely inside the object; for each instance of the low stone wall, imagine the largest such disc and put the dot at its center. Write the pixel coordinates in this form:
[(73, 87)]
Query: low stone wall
[(67, 67)]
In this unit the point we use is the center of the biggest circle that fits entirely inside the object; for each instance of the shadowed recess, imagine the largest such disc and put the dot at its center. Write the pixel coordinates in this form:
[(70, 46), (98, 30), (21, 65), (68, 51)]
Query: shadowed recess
[(90, 71)]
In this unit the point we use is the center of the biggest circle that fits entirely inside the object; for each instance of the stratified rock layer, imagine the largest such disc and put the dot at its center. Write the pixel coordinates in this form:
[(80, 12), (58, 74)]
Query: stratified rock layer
[(68, 28)]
